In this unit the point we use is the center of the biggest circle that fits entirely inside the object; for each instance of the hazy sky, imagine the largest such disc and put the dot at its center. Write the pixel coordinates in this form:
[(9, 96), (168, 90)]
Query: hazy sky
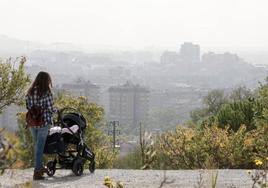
[(237, 24)]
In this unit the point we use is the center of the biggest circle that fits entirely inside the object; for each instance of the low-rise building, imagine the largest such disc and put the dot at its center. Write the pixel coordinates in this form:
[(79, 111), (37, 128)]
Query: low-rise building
[(87, 89)]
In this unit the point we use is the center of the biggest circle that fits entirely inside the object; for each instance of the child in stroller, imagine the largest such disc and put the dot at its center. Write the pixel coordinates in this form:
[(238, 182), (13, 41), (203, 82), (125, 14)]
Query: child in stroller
[(67, 142)]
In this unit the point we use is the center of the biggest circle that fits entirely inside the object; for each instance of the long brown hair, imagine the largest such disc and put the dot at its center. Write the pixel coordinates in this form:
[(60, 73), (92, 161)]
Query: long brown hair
[(42, 84)]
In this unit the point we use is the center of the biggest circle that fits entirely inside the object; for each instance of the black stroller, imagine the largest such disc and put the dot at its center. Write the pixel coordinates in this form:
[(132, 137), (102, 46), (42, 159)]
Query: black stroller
[(67, 142)]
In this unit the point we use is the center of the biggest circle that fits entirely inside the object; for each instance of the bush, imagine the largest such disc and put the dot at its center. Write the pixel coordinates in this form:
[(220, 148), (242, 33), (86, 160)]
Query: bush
[(25, 145), (131, 160), (210, 147), (8, 150), (238, 113)]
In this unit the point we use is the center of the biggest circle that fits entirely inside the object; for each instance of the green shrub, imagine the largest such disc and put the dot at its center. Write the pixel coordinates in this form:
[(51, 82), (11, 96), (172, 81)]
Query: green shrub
[(131, 160), (210, 147)]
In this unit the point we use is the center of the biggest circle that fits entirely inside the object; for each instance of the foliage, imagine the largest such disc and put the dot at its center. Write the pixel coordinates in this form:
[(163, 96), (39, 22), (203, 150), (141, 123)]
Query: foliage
[(146, 149), (259, 177), (105, 157), (25, 142), (240, 93), (8, 150), (142, 157), (238, 113), (198, 114), (13, 81), (175, 148), (131, 160), (241, 107), (262, 112), (260, 141), (164, 119), (229, 132), (214, 179), (210, 147), (214, 100), (241, 145)]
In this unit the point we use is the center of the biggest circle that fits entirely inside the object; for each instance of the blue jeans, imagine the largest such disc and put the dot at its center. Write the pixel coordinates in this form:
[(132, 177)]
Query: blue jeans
[(39, 138)]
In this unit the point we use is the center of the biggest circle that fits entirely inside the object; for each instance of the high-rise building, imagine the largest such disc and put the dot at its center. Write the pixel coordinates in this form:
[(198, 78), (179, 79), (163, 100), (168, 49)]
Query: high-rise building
[(128, 104), (190, 53)]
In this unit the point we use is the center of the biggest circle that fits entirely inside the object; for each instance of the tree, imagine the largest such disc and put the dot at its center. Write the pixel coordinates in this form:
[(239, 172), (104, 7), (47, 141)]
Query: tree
[(13, 82), (240, 107), (240, 93), (238, 113), (261, 109), (164, 119), (198, 114), (214, 100)]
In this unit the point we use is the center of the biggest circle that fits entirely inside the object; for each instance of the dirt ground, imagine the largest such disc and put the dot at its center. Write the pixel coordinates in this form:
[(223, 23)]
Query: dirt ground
[(131, 178)]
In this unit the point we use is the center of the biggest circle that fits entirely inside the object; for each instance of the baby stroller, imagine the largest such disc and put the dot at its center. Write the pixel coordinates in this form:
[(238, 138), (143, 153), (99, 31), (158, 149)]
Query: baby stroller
[(67, 142)]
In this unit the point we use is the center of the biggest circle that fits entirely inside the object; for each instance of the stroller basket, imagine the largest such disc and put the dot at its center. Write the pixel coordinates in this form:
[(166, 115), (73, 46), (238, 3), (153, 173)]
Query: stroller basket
[(54, 144)]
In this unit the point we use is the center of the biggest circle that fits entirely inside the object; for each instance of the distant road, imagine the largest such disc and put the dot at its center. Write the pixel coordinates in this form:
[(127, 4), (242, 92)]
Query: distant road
[(130, 178)]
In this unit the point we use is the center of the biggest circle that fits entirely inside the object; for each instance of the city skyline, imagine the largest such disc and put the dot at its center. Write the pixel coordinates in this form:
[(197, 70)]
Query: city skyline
[(229, 25)]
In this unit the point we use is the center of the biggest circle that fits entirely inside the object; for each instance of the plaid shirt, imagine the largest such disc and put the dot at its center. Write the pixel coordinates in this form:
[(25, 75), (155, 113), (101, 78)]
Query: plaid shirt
[(45, 102)]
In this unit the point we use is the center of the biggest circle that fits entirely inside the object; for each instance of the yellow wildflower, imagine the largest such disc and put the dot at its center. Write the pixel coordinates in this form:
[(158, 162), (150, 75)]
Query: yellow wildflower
[(107, 178), (266, 158), (258, 162), (108, 181)]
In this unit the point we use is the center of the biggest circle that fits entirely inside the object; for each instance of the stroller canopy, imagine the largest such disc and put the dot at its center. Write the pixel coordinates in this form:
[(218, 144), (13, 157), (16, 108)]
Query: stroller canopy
[(71, 119)]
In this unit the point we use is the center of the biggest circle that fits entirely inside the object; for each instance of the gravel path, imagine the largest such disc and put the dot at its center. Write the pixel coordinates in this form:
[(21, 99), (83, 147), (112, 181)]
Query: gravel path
[(130, 178)]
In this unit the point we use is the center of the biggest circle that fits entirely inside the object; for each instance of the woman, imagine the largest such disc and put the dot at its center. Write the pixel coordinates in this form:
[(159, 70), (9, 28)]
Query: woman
[(40, 95)]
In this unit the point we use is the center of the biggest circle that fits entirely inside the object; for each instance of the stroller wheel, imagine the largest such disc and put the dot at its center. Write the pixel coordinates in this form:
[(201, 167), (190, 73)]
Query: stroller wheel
[(51, 165), (78, 167), (92, 166)]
